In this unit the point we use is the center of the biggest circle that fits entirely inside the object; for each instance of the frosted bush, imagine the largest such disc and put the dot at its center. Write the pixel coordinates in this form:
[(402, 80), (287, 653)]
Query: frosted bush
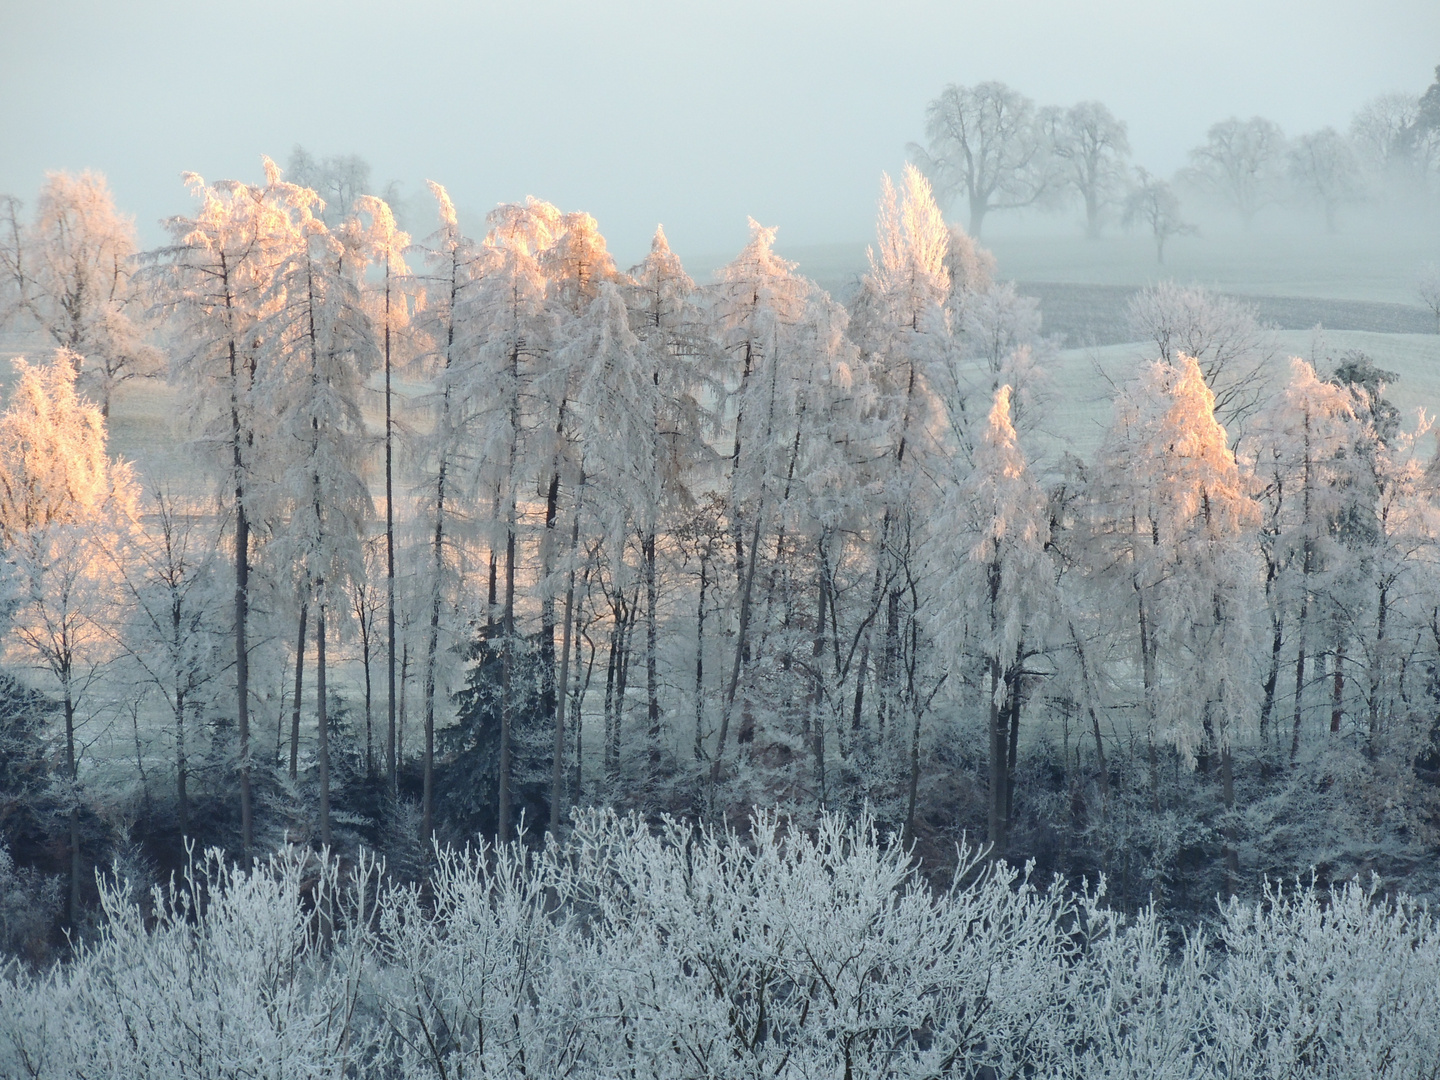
[(682, 952)]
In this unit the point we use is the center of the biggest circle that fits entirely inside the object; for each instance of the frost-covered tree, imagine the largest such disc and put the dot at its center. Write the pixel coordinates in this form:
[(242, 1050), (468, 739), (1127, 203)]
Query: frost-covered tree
[(63, 505), (216, 285), (390, 312), (1170, 513), (71, 272), (994, 584), (983, 142), (454, 265), (169, 567), (317, 346), (759, 301), (1224, 336), (1304, 435)]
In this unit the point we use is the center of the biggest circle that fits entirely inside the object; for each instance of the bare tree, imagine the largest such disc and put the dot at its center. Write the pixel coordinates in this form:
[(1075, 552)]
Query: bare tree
[(1089, 147), (1241, 163), (1323, 168), (1153, 203), (984, 142), (1428, 290)]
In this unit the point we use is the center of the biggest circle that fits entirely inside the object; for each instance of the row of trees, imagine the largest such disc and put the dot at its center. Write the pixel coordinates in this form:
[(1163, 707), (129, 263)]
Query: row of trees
[(615, 537), (991, 146)]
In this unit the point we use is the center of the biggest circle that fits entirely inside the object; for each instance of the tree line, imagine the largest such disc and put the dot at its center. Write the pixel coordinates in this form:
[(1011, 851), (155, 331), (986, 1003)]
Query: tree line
[(493, 530), (991, 146)]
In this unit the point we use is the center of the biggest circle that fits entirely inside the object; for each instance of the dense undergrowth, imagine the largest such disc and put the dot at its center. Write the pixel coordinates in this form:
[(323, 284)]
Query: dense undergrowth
[(675, 952)]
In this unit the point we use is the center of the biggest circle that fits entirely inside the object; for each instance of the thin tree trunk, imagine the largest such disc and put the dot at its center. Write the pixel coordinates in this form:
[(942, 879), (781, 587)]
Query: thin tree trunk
[(622, 683), (507, 706), (432, 648), (1014, 703), (1087, 688), (391, 763), (611, 741), (557, 785), (577, 715), (741, 644), (242, 663), (1377, 667), (365, 665), (1337, 691), (242, 587), (996, 724), (1272, 678), (322, 719), (72, 908), (652, 692), (1227, 792), (182, 794), (815, 713), (299, 685), (1299, 680), (700, 661)]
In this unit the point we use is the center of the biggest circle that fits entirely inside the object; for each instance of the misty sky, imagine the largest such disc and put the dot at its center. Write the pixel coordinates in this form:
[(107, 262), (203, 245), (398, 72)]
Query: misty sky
[(694, 115)]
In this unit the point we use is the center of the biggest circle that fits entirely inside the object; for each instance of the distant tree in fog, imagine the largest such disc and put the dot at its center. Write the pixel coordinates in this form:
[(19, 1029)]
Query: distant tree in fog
[(1153, 203), (1429, 114), (339, 180), (1428, 290), (983, 141), (1323, 168), (1090, 148), (1398, 148), (1241, 163)]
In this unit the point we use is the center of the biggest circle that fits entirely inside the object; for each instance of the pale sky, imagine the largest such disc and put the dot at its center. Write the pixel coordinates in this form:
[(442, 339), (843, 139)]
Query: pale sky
[(694, 115)]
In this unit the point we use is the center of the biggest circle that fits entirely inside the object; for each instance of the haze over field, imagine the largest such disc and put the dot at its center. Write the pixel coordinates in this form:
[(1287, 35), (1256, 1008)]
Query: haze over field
[(694, 116)]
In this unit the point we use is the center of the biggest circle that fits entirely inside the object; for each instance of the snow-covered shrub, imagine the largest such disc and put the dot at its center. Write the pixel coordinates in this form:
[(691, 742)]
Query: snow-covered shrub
[(685, 952)]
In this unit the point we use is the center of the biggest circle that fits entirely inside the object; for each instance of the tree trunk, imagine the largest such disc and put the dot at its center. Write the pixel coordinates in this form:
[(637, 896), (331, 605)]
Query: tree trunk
[(817, 693), (741, 645), (1272, 678), (72, 907), (391, 763), (242, 596), (182, 794), (1227, 793), (557, 783), (612, 660), (322, 720), (299, 685), (997, 727), (1377, 666), (1085, 685), (1337, 691), (369, 700), (700, 661), (979, 207), (507, 677), (652, 691)]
